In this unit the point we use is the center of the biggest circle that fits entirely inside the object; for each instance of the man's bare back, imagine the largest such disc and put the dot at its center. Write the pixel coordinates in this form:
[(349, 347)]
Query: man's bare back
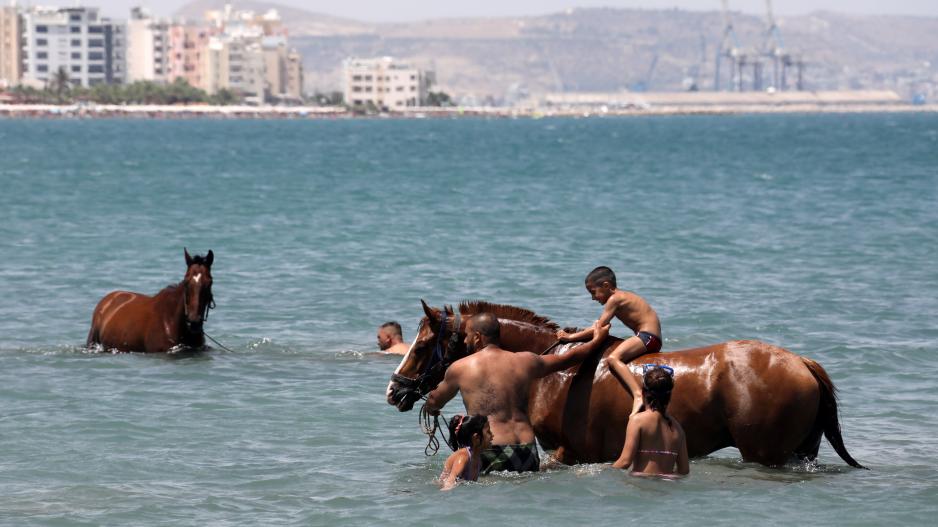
[(495, 383)]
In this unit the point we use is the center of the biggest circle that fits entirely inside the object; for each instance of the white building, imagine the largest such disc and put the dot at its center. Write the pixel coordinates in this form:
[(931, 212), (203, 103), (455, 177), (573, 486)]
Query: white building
[(385, 83), (90, 49), (148, 50)]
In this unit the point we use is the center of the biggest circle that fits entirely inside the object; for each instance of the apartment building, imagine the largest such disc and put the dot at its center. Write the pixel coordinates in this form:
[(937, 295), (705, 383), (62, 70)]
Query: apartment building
[(235, 63), (283, 70), (89, 48), (187, 47), (148, 47), (11, 56), (385, 83)]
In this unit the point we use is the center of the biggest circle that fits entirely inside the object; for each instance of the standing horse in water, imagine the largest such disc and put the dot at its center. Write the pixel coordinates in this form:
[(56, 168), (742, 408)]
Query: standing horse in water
[(173, 317), (769, 403)]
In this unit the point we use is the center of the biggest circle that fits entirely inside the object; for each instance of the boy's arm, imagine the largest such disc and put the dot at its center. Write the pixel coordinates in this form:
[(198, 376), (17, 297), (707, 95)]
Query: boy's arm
[(609, 312), (552, 363), (630, 447)]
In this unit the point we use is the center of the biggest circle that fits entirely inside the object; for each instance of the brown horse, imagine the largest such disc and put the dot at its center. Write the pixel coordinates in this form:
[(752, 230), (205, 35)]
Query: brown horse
[(771, 404), (126, 321)]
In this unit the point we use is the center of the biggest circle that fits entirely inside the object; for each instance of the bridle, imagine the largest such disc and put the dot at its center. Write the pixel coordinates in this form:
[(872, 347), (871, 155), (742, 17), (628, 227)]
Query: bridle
[(203, 316), (436, 366)]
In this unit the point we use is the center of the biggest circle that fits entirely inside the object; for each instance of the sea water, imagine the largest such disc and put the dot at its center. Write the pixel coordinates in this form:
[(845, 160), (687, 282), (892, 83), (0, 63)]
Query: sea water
[(818, 233)]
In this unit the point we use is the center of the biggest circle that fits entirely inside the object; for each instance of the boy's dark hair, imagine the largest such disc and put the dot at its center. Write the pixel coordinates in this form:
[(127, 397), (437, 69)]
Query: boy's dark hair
[(601, 274), (393, 325), (658, 384), (462, 428)]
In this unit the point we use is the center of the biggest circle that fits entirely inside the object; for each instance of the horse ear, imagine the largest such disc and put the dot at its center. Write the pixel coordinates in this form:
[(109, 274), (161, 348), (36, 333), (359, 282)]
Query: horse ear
[(209, 258), (427, 310), (188, 258)]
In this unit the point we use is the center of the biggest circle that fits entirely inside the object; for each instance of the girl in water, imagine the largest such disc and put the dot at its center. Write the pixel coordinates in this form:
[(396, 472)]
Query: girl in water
[(468, 437), (654, 441)]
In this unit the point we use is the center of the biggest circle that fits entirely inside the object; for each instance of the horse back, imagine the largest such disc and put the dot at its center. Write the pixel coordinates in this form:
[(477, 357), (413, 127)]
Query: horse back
[(120, 319), (720, 391)]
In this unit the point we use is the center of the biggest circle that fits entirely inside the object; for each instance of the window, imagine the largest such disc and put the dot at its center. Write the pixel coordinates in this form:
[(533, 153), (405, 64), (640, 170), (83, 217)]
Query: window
[(95, 68), (75, 17), (42, 29), (368, 89), (76, 68), (356, 77), (76, 56), (95, 55), (95, 29), (74, 29), (367, 77), (95, 43), (357, 89), (76, 43), (42, 55), (42, 68), (42, 42)]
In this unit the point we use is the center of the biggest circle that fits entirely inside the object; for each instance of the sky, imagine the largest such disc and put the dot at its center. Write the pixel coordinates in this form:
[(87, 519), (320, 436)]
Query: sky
[(408, 10)]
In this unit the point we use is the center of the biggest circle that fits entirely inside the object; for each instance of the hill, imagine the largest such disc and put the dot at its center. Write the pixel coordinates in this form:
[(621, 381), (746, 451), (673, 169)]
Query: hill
[(606, 49)]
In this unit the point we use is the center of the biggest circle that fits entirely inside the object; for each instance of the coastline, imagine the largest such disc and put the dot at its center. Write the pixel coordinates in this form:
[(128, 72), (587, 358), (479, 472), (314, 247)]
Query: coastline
[(101, 111)]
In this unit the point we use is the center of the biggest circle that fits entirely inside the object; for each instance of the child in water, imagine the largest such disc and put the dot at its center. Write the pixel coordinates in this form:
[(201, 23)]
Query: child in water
[(654, 441), (468, 437), (636, 314)]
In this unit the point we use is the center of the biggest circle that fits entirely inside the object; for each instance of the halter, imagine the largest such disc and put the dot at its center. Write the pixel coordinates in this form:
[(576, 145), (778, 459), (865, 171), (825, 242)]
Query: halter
[(203, 316), (438, 363)]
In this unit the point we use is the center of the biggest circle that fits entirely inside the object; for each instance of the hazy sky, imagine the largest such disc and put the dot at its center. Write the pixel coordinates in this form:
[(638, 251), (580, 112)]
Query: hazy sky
[(393, 10)]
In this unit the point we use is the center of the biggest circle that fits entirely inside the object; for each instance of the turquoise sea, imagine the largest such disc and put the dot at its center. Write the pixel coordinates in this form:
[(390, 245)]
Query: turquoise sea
[(818, 233)]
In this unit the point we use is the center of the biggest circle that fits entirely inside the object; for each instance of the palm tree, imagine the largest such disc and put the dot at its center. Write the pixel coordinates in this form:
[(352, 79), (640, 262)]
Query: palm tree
[(60, 83)]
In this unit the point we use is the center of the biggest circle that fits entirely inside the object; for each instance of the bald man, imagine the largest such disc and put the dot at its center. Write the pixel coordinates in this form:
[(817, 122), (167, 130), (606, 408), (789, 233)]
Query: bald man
[(495, 383), (391, 339)]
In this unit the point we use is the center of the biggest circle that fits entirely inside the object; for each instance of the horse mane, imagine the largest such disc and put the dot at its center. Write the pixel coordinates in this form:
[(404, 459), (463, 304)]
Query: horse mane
[(509, 312)]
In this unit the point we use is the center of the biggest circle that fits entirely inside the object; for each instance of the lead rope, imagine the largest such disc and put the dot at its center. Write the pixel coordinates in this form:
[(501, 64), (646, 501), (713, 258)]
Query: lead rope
[(429, 425), (220, 345)]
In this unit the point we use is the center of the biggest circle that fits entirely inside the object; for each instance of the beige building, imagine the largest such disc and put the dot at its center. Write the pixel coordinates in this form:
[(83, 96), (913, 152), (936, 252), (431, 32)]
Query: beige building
[(385, 83), (147, 47), (283, 70), (236, 64), (11, 54)]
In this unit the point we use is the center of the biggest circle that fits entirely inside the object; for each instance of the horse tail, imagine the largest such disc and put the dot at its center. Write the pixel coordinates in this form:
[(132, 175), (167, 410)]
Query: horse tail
[(827, 412)]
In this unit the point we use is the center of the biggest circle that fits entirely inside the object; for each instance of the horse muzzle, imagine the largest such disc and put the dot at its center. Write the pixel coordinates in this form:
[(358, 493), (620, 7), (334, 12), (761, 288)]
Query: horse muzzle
[(402, 397)]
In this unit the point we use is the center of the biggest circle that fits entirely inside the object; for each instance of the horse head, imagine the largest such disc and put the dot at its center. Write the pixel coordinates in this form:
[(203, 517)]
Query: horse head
[(439, 342), (197, 290)]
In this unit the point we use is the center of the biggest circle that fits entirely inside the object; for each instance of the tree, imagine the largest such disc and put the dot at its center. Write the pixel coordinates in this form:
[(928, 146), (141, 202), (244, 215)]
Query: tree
[(439, 99), (60, 84)]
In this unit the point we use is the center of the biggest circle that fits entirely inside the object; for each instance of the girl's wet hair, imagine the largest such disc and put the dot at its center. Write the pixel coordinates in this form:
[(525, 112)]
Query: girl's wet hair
[(658, 385), (463, 427)]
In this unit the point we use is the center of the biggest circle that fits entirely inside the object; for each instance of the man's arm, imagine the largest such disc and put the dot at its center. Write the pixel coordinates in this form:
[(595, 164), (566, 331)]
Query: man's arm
[(445, 391), (552, 363)]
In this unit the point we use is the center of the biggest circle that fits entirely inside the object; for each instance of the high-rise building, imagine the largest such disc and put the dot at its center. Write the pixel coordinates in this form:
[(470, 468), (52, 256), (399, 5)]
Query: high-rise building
[(76, 40), (148, 53), (11, 54), (385, 83)]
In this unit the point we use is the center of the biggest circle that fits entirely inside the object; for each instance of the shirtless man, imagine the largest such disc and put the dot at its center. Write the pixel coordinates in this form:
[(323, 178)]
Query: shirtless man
[(636, 314), (495, 383), (391, 339)]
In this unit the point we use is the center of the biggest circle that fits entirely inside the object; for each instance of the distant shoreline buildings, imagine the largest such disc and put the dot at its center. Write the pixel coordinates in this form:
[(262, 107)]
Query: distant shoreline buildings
[(245, 53)]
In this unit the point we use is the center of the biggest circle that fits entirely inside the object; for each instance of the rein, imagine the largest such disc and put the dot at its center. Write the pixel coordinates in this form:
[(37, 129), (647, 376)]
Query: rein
[(438, 363)]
